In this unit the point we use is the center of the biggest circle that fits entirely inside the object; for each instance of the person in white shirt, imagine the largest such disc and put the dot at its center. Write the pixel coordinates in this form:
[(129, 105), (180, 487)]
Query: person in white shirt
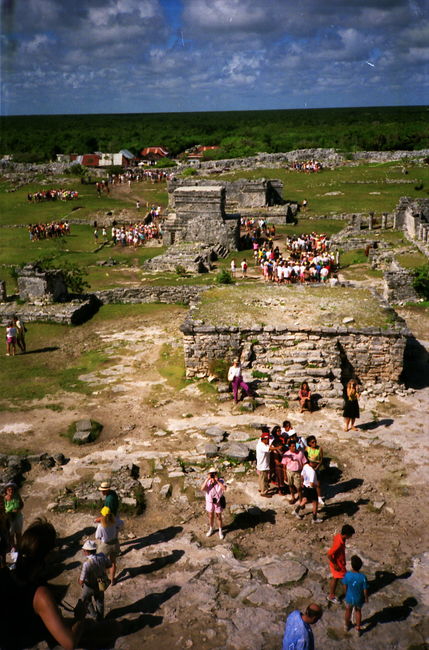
[(236, 378), (309, 492), (263, 450)]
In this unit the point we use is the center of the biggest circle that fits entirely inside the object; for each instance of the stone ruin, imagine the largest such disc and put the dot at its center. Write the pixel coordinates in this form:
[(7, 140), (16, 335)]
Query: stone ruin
[(412, 216), (41, 287)]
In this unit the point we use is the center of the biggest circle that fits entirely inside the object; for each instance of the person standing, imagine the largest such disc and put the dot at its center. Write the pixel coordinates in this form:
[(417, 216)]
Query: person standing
[(263, 463), (294, 461), (13, 506), (356, 586), (107, 532), (298, 634), (309, 491), (337, 560), (351, 405), (20, 333), (10, 339), (214, 488), (235, 376), (244, 269), (93, 580)]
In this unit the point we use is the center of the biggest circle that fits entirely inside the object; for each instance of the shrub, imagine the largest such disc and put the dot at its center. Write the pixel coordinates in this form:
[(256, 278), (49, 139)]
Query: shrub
[(421, 281), (76, 170), (180, 270), (190, 171), (224, 277), (165, 162), (219, 368)]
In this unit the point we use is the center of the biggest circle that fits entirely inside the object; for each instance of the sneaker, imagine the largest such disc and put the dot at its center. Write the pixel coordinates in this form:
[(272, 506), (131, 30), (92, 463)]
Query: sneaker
[(321, 500), (298, 515), (358, 631), (347, 627), (317, 520), (209, 532), (221, 535), (333, 600)]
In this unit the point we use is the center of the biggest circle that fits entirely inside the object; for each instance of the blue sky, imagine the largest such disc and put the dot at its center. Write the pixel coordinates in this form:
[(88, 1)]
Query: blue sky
[(132, 56)]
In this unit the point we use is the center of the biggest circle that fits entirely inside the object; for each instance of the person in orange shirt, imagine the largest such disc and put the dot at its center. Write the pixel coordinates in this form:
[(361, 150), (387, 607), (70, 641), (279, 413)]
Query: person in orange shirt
[(337, 560)]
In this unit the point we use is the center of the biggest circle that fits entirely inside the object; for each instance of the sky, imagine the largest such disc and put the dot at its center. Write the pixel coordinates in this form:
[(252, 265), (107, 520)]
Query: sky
[(135, 56)]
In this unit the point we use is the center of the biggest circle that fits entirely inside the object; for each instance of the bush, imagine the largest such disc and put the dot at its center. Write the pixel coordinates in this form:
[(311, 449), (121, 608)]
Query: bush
[(76, 170), (224, 277), (190, 172), (219, 368), (74, 276), (180, 270), (165, 162), (421, 281)]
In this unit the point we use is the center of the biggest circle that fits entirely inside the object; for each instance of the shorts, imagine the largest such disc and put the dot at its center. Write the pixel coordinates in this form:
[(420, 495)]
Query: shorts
[(309, 493), (111, 550), (294, 479), (16, 523), (354, 602), (11, 339)]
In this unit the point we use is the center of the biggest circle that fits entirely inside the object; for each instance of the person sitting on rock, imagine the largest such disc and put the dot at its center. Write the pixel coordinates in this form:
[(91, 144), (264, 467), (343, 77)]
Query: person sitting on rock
[(236, 378)]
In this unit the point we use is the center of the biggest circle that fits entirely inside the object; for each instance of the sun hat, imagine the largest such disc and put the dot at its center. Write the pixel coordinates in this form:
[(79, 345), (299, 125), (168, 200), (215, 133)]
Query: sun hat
[(105, 511), (89, 545), (105, 485), (212, 470)]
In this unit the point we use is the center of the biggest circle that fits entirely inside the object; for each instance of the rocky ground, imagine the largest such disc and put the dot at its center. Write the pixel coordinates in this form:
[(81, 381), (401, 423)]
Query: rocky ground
[(178, 588)]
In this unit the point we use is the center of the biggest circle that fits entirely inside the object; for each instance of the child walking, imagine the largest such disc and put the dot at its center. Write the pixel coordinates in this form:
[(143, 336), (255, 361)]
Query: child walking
[(356, 586), (337, 560)]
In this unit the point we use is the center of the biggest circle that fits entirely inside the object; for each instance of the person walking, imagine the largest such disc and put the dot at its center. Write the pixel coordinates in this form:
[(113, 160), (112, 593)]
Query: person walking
[(111, 499), (10, 339), (235, 376), (107, 532), (263, 463), (20, 333), (93, 580), (356, 586), (337, 560), (351, 405), (298, 634), (214, 488)]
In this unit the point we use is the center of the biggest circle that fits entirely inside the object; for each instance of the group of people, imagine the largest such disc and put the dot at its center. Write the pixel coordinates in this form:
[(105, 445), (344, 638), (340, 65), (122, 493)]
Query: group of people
[(28, 610), (52, 195), (15, 336), (306, 166), (293, 465), (39, 231), (138, 175), (135, 235)]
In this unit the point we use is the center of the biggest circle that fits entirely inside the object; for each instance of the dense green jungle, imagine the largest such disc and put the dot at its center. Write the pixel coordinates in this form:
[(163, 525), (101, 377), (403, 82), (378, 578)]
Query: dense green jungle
[(38, 138)]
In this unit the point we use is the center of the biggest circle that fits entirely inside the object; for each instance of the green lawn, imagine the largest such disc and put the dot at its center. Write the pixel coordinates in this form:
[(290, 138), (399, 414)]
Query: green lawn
[(363, 188)]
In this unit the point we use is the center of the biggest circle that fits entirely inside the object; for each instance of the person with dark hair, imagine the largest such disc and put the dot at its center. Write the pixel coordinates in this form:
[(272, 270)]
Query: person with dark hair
[(278, 448), (263, 451), (214, 488), (28, 612), (13, 505), (298, 634), (337, 560), (304, 396), (356, 586), (351, 405)]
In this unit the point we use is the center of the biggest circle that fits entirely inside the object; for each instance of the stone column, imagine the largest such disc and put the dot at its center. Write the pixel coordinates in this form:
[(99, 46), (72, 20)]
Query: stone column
[(384, 221), (370, 221), (420, 231), (3, 294)]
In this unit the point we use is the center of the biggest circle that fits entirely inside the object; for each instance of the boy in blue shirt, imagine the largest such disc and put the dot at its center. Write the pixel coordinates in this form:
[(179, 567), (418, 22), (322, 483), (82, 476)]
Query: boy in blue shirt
[(356, 586)]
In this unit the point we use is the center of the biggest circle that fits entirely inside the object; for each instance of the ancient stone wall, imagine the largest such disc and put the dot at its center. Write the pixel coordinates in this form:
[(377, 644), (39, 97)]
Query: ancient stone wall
[(166, 294), (41, 287), (239, 194), (280, 359), (412, 216), (70, 313), (398, 285)]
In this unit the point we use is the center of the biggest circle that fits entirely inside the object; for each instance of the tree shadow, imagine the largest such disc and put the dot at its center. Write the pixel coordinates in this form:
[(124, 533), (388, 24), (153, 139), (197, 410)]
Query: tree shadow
[(147, 605), (163, 535), (369, 426), (344, 486), (391, 614), (51, 348), (348, 508), (103, 635), (250, 519), (383, 579), (155, 565)]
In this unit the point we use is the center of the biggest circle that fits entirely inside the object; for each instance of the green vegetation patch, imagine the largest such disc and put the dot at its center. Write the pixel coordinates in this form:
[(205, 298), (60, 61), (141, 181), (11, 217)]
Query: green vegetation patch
[(246, 306), (171, 366)]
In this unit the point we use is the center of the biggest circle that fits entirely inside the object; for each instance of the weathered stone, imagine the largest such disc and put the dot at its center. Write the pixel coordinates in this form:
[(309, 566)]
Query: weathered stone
[(281, 574), (165, 491), (146, 483), (211, 450), (82, 437), (236, 451), (215, 431), (83, 425)]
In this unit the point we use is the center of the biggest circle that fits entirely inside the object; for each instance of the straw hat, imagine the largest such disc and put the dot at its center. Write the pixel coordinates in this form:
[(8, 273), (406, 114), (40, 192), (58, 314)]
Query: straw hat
[(105, 485), (89, 545)]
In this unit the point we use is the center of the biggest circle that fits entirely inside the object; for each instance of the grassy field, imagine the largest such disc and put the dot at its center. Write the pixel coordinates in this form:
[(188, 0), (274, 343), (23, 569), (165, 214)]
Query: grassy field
[(360, 188)]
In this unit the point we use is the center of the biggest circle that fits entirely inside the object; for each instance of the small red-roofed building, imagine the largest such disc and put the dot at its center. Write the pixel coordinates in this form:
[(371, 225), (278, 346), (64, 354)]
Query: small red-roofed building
[(153, 154)]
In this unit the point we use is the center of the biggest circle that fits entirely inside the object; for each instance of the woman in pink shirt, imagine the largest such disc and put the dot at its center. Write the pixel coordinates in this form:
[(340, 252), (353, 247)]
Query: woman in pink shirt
[(214, 487), (293, 461)]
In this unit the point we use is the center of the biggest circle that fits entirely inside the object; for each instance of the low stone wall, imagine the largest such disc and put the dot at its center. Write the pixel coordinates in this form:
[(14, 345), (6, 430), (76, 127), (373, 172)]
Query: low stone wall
[(398, 285), (280, 359), (166, 294), (412, 216), (74, 312)]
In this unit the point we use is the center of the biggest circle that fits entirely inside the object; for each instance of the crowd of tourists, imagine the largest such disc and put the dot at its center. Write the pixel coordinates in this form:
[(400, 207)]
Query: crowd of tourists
[(138, 175), (307, 166), (135, 234), (50, 230), (53, 195)]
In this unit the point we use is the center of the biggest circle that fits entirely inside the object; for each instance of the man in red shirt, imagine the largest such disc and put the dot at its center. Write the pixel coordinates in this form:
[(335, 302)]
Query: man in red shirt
[(337, 560)]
